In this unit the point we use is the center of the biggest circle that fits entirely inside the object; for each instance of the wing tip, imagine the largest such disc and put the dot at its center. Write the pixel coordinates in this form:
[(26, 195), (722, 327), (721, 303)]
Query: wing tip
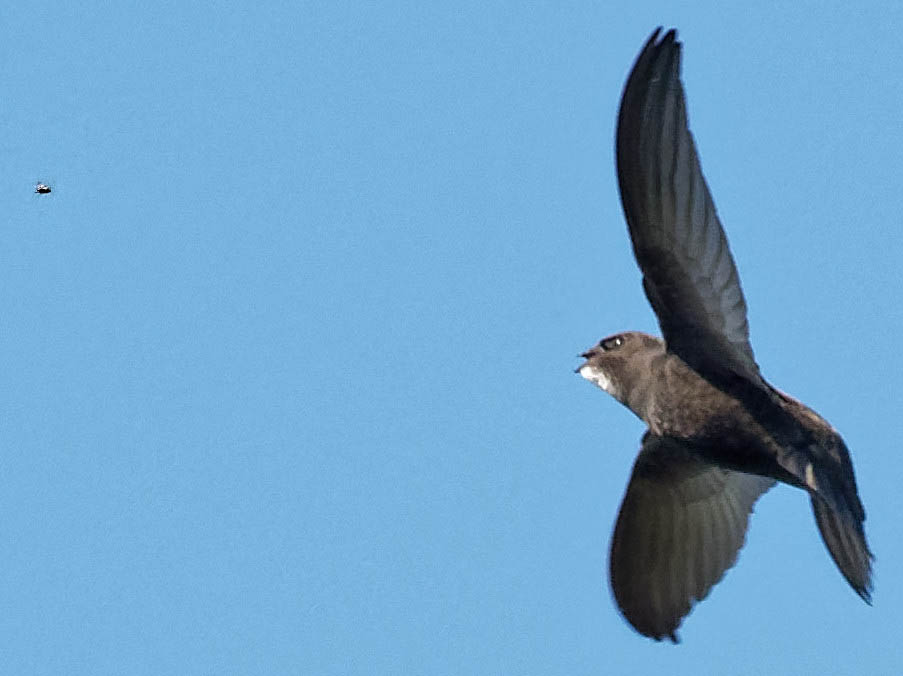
[(653, 48), (669, 38), (658, 638)]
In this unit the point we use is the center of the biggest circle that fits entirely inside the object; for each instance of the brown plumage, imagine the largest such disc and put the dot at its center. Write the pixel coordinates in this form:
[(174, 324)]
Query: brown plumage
[(719, 435)]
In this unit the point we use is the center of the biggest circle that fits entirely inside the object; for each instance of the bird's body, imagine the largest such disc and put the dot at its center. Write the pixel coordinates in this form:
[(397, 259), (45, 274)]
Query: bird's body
[(719, 435)]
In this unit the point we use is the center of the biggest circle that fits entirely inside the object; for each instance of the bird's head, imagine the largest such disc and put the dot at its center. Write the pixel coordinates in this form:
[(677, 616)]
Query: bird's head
[(620, 361)]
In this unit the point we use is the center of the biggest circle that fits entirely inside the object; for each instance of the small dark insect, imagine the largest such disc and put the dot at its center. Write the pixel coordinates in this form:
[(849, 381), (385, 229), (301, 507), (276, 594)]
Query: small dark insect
[(42, 188)]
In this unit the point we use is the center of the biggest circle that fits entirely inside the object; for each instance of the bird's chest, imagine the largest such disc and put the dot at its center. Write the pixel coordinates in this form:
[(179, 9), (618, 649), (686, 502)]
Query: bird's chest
[(716, 426), (690, 408)]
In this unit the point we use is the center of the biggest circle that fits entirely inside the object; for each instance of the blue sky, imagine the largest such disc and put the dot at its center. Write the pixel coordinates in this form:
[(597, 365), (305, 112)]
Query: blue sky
[(287, 355)]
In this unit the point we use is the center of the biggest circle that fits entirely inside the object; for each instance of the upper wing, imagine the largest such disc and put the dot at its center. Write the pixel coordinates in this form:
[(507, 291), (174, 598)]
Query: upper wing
[(688, 272), (681, 526)]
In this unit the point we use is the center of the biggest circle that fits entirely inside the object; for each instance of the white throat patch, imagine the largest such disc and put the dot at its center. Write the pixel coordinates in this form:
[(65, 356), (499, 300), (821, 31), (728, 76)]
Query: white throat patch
[(598, 378)]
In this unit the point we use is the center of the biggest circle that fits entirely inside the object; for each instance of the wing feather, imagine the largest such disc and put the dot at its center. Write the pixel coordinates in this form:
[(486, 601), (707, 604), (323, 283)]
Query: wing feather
[(688, 272), (681, 525)]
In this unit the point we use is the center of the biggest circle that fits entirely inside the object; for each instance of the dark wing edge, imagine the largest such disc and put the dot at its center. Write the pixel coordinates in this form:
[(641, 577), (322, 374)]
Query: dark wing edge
[(681, 526), (689, 274)]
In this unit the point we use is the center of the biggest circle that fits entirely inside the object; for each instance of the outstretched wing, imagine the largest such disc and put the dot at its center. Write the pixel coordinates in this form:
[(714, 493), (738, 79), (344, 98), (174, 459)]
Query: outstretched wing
[(681, 525), (688, 272)]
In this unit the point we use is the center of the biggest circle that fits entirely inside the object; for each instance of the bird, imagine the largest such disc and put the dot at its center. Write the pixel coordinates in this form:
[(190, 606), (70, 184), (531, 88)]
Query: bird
[(719, 435), (42, 188)]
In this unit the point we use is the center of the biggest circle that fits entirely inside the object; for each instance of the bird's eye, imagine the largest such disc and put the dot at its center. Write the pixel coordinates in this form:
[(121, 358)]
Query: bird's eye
[(611, 343)]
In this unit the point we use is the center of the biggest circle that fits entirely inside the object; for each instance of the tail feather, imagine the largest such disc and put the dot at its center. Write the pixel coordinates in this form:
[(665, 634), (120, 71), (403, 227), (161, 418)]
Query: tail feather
[(844, 537)]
